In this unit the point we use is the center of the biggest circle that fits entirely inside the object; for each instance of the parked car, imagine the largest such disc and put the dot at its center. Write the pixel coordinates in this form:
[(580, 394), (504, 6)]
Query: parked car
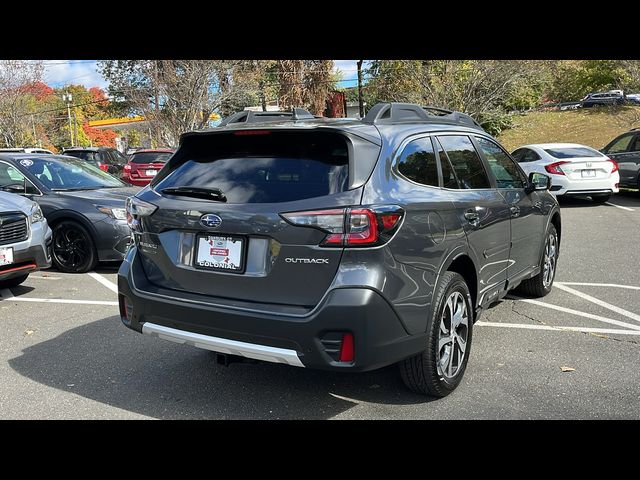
[(25, 238), (575, 170), (143, 165), (339, 245), (600, 99), (26, 150), (625, 151), (83, 205), (106, 159), (633, 98)]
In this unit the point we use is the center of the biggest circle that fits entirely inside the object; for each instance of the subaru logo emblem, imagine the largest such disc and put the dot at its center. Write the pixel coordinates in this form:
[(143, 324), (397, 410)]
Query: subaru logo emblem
[(210, 220)]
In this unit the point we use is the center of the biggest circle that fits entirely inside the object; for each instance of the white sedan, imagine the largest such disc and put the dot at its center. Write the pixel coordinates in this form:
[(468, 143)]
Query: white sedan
[(574, 169)]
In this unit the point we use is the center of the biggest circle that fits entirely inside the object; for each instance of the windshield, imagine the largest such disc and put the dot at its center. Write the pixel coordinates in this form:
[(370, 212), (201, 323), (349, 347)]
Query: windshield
[(151, 157), (572, 152), (69, 174), (88, 155)]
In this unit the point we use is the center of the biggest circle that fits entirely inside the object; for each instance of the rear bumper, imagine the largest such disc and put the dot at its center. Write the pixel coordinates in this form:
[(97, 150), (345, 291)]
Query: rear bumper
[(564, 186), (301, 340), (138, 182)]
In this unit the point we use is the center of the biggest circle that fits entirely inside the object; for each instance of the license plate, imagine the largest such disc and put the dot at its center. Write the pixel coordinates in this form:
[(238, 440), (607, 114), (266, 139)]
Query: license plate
[(588, 173), (151, 173), (220, 252), (6, 256)]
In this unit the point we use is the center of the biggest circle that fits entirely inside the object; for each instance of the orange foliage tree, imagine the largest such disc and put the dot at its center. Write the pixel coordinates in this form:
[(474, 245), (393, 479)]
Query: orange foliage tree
[(100, 138)]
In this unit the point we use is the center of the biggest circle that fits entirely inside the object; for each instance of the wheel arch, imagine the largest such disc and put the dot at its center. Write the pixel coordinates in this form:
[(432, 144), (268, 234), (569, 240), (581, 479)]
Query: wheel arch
[(461, 263)]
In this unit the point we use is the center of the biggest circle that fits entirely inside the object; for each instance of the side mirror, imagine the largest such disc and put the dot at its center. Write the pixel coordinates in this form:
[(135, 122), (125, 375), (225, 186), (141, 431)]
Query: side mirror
[(538, 181)]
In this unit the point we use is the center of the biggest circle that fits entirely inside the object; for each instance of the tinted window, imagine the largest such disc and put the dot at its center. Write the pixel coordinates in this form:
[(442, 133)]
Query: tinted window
[(270, 168), (449, 179), (620, 145), (635, 147), (503, 168), (523, 155), (418, 162), (572, 152), (118, 158), (150, 157), (84, 155), (465, 161), (518, 154)]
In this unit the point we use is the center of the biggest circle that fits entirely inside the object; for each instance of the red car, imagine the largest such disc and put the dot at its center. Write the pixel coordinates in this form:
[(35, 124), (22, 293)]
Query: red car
[(143, 165)]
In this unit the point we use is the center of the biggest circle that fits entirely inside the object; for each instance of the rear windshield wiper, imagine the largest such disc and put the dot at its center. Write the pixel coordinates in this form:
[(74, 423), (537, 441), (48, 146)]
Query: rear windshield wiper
[(207, 193)]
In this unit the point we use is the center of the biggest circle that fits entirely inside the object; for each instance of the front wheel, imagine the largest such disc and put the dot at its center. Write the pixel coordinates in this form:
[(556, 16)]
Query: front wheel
[(438, 370), (73, 249), (600, 198), (541, 284)]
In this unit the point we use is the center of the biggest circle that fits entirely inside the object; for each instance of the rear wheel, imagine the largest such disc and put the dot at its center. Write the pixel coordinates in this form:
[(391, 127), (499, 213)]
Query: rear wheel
[(541, 284), (73, 248), (438, 370), (600, 198), (13, 282)]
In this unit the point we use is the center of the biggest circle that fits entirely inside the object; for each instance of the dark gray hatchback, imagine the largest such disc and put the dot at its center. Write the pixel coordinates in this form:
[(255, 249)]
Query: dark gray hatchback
[(338, 244)]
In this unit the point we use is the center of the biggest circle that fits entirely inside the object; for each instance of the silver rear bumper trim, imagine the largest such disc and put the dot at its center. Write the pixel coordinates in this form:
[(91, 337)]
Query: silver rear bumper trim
[(223, 345)]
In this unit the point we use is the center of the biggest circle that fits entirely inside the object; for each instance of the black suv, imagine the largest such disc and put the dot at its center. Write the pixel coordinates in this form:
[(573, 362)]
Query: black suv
[(338, 244), (106, 159)]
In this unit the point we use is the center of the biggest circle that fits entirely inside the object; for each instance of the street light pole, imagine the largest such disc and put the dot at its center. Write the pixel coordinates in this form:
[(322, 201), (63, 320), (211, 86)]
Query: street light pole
[(67, 97)]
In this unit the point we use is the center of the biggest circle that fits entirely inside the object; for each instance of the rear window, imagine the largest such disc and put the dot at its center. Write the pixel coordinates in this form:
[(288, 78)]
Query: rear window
[(572, 152), (266, 168), (88, 155), (151, 157)]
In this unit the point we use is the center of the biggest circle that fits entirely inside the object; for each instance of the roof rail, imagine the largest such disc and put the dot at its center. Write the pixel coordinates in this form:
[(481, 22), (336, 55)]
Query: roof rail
[(392, 113), (249, 116)]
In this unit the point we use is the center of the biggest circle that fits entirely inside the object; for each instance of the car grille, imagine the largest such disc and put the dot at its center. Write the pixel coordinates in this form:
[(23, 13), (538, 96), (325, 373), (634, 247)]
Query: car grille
[(13, 228)]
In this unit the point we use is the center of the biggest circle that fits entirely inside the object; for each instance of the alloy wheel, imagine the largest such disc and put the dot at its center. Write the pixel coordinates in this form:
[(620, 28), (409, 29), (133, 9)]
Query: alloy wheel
[(452, 339)]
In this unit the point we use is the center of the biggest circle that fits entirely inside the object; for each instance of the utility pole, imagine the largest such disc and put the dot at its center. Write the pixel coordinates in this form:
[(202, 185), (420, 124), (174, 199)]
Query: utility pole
[(360, 102), (35, 136), (67, 97), (263, 100)]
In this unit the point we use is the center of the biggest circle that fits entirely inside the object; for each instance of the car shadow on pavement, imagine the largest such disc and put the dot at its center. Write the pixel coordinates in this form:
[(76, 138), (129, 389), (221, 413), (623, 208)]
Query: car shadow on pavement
[(21, 290), (105, 362)]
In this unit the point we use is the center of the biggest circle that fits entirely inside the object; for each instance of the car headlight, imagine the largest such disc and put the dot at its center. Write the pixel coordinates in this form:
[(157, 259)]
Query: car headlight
[(117, 213), (36, 214)]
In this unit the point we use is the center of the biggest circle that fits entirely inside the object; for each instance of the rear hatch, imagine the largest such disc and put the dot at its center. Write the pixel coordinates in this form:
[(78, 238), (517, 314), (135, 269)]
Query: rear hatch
[(147, 164), (582, 163), (218, 229)]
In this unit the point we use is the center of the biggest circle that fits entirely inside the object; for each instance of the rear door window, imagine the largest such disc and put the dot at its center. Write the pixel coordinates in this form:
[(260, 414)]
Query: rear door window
[(465, 161), (270, 167)]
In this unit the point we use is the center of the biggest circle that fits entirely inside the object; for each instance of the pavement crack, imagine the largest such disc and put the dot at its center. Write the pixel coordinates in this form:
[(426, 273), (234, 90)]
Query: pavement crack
[(513, 310)]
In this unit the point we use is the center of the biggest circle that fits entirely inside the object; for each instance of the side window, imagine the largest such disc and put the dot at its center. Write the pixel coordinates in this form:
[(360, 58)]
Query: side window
[(449, 179), (636, 145), (15, 174), (105, 157), (418, 162), (118, 157), (503, 168), (518, 154), (620, 145), (529, 156), (10, 175), (465, 161)]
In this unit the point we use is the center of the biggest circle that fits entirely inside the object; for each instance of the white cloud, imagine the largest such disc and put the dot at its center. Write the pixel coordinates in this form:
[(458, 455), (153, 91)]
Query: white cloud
[(77, 72)]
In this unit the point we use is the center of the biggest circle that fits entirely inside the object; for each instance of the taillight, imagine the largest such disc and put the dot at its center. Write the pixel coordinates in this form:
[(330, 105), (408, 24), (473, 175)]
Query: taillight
[(614, 167), (103, 166), (127, 168), (554, 169), (137, 208), (357, 227)]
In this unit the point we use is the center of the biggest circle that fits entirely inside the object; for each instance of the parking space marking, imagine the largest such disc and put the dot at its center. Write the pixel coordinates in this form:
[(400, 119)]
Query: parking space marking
[(57, 300), (602, 303), (579, 313), (604, 331), (587, 284), (620, 206), (107, 283)]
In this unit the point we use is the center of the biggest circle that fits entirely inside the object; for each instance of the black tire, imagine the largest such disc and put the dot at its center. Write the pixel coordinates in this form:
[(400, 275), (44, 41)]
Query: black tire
[(423, 373), (539, 286), (73, 250), (13, 282), (600, 198)]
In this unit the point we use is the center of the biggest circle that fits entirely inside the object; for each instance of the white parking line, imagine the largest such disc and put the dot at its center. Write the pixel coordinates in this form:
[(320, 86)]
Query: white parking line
[(57, 300), (597, 301), (603, 331), (620, 206), (107, 283), (587, 284), (581, 314)]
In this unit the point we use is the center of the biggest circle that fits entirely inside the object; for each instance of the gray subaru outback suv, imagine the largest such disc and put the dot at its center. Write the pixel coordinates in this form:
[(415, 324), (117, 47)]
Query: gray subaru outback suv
[(337, 244)]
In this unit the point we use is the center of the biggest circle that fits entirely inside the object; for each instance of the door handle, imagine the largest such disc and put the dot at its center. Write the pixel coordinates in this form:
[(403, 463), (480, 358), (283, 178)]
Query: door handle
[(515, 210), (472, 215)]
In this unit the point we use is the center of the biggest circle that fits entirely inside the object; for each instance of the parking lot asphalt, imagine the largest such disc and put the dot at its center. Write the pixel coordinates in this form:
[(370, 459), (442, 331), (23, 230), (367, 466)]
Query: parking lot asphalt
[(76, 360)]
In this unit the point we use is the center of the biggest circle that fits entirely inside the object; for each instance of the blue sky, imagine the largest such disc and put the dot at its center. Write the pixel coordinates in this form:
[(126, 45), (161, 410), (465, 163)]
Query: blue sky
[(84, 72)]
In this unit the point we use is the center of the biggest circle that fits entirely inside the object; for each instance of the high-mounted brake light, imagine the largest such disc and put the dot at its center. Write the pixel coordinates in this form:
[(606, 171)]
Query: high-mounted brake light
[(345, 227), (614, 168), (252, 132), (554, 168)]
